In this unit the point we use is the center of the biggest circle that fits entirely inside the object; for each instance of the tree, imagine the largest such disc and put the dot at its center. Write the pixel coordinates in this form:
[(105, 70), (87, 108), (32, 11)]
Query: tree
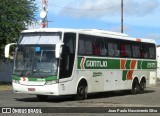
[(15, 14)]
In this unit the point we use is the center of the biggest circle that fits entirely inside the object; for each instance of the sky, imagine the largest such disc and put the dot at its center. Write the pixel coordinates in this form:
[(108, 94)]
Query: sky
[(141, 17)]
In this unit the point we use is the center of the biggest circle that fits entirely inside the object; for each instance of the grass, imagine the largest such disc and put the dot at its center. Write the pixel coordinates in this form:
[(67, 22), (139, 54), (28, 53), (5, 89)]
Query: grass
[(4, 87)]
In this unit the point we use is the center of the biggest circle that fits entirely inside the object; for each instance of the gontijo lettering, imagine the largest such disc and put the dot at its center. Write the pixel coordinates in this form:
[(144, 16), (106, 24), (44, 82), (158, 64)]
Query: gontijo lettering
[(94, 63)]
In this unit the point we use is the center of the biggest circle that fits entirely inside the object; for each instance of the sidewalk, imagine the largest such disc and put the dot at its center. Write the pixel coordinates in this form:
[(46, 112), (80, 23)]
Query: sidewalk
[(158, 82), (5, 86)]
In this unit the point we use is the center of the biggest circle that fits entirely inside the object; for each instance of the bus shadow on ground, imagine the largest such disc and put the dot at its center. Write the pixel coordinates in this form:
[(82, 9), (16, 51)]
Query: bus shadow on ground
[(58, 99), (115, 94)]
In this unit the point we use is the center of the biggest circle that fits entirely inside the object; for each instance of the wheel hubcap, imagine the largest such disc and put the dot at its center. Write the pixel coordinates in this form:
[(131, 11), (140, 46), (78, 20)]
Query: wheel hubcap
[(81, 91)]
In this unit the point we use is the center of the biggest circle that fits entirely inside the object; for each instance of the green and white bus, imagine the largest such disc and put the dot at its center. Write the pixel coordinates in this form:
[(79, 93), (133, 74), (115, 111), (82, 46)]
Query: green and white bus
[(54, 61)]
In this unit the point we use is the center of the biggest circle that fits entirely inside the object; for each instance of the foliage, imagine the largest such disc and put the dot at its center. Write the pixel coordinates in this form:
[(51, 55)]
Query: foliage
[(14, 15)]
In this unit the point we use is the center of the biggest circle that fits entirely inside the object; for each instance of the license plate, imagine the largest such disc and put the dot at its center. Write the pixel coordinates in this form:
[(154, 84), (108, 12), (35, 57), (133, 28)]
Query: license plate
[(31, 89)]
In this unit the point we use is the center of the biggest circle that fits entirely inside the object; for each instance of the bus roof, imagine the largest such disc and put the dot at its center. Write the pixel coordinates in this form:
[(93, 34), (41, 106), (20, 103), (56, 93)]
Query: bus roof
[(94, 32)]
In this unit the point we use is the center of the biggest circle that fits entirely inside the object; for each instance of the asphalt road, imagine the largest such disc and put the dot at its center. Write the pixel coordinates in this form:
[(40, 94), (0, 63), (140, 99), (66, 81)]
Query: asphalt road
[(150, 98)]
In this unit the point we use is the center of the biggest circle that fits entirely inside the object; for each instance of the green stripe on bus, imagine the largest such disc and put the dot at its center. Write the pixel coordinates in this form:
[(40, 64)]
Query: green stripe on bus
[(113, 64), (15, 77), (128, 64), (124, 75), (49, 78), (147, 65), (104, 63), (139, 64)]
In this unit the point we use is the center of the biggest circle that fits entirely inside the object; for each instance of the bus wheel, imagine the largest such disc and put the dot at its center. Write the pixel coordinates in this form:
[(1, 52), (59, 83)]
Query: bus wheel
[(135, 87), (142, 86), (42, 97), (81, 92)]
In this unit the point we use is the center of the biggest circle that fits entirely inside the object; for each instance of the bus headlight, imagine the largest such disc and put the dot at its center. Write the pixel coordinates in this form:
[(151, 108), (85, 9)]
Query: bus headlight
[(15, 81), (51, 82)]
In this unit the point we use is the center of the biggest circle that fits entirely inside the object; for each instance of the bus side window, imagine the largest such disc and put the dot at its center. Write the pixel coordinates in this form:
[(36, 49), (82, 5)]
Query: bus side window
[(99, 47), (103, 49), (144, 51), (123, 50), (110, 49), (68, 55), (136, 51), (88, 46), (128, 51), (151, 52), (96, 48), (116, 49), (113, 49), (65, 58), (81, 49)]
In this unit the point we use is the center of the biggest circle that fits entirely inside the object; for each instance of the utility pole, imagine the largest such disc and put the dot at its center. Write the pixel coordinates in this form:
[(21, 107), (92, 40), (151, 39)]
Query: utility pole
[(43, 14), (121, 16)]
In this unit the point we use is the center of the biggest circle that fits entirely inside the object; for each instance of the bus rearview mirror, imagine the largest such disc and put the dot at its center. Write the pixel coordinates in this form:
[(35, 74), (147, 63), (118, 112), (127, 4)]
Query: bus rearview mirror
[(58, 50), (7, 49)]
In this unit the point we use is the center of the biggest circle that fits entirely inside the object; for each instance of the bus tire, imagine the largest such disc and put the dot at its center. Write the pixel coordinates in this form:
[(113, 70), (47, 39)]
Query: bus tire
[(142, 86), (81, 92), (135, 87), (42, 97)]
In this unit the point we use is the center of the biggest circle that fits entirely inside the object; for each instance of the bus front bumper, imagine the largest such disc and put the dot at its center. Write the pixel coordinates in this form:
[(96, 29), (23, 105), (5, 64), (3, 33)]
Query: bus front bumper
[(36, 90)]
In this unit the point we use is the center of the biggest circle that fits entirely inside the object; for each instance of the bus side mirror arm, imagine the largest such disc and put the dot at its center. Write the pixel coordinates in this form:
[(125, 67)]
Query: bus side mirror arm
[(7, 49), (58, 50)]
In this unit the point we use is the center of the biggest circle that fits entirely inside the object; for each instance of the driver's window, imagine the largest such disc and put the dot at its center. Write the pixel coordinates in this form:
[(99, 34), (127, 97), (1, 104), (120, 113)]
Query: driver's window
[(68, 55)]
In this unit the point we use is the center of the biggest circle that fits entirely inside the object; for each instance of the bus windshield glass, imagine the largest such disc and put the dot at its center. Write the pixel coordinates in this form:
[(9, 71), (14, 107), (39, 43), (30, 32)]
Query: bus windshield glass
[(35, 54), (35, 61), (47, 38)]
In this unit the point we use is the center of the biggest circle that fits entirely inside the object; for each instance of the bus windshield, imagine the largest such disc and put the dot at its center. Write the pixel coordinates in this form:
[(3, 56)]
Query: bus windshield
[(35, 61)]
